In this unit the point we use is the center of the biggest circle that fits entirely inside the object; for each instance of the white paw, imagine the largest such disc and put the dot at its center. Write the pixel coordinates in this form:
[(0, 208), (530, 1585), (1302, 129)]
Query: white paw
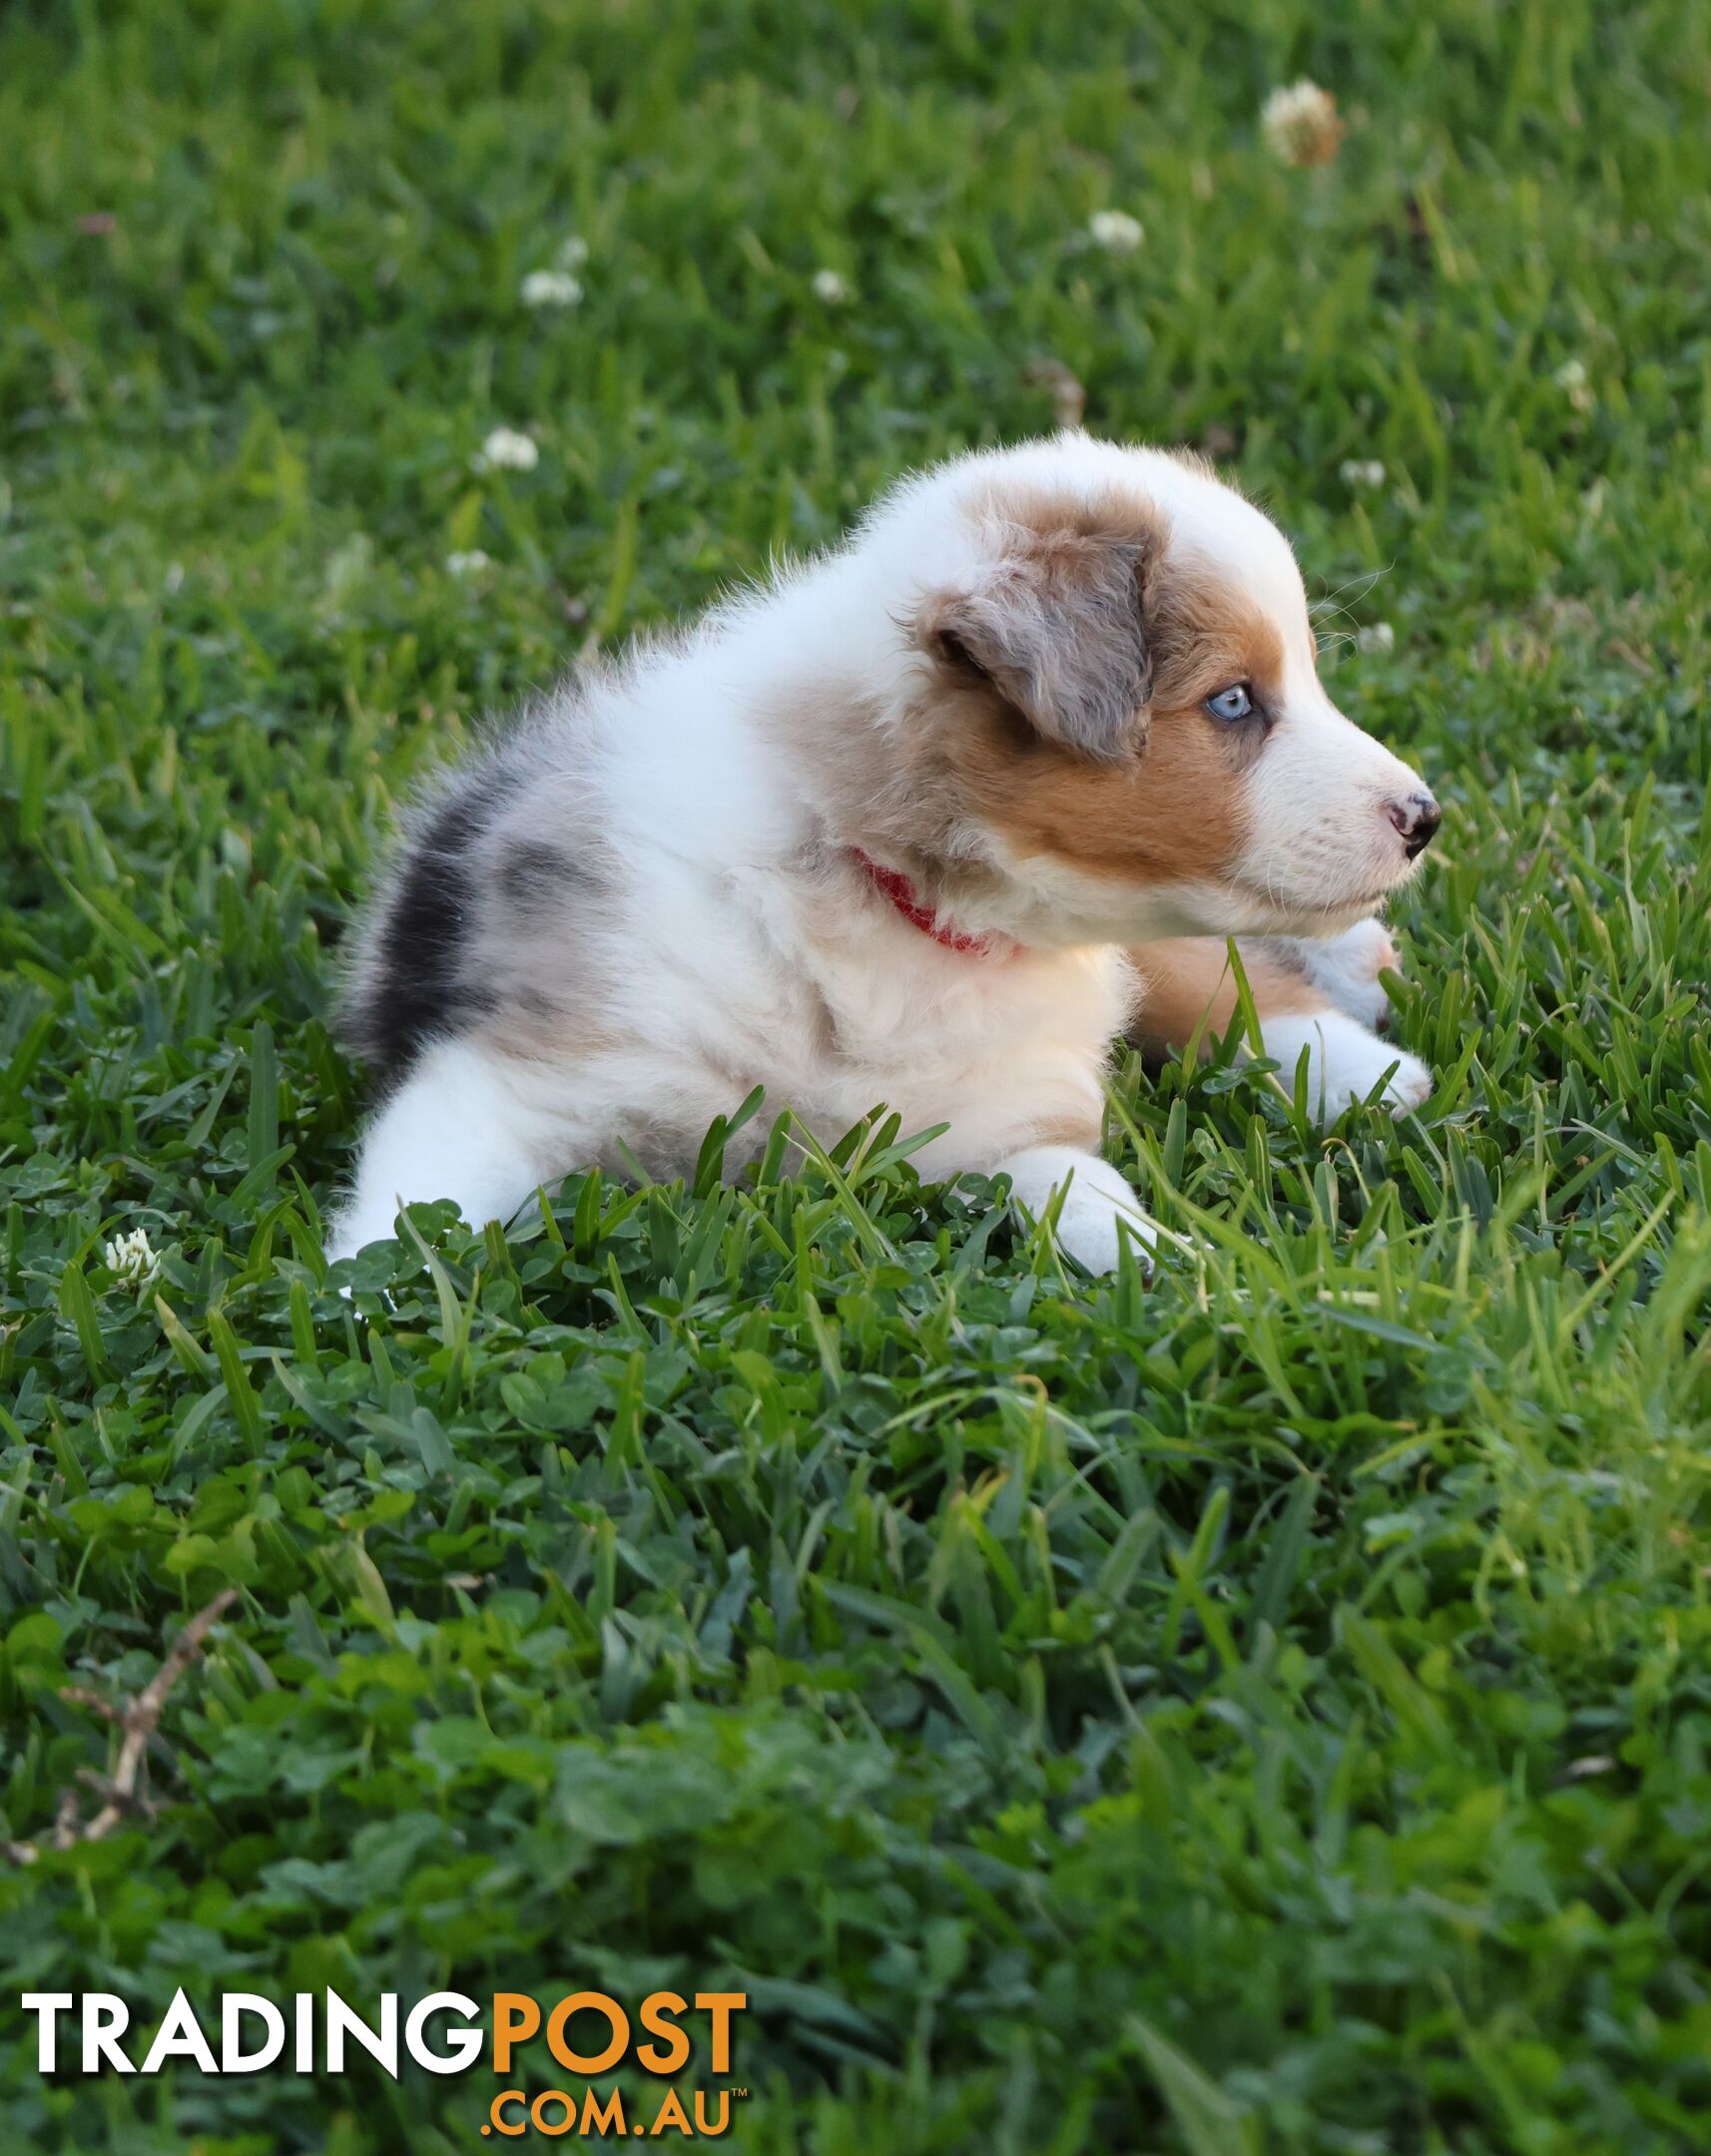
[(1090, 1229), (1346, 968), (349, 1233), (1344, 1063), (1098, 1210)]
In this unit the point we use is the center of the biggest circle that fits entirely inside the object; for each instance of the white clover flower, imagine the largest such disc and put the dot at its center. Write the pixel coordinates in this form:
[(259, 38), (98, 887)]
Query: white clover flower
[(131, 1258), (572, 252), (1361, 472), (1301, 125), (1570, 377), (1115, 231), (830, 288), (505, 449), (551, 287), (1377, 636), (471, 562)]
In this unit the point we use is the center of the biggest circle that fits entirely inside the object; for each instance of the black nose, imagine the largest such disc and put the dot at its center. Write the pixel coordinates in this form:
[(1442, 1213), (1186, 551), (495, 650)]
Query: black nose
[(1416, 819)]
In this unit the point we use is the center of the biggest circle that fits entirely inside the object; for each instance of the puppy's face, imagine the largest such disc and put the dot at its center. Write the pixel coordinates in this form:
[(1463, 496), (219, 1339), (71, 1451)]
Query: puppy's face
[(1122, 687)]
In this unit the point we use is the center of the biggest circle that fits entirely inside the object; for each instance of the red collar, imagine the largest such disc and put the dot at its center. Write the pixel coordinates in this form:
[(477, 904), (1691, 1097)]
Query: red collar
[(901, 893)]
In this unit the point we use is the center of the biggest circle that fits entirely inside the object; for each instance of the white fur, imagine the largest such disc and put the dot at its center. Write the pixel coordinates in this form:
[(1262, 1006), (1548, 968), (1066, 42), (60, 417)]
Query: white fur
[(735, 941), (1098, 1206), (462, 1126), (1346, 968), (1344, 1063)]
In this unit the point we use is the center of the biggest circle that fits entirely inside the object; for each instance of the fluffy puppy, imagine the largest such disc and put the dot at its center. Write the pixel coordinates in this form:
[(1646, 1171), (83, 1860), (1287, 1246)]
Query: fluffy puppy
[(891, 829)]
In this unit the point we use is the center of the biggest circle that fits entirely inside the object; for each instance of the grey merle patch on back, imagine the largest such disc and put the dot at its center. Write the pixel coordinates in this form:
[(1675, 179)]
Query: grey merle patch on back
[(534, 874)]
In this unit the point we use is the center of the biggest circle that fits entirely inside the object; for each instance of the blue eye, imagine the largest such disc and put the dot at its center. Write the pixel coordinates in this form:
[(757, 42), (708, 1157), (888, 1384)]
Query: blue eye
[(1231, 703)]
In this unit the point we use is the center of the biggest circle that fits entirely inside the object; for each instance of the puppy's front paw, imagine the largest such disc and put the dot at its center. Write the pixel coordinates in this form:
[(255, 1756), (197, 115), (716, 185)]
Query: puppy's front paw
[(1346, 968), (1090, 1229), (1098, 1207), (1345, 1062)]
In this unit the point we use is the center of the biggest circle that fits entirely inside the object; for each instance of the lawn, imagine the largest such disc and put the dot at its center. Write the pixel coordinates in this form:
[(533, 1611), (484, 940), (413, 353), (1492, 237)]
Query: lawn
[(1266, 1710)]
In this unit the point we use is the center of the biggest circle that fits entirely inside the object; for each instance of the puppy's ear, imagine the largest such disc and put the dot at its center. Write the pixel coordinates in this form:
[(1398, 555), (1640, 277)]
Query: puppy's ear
[(1056, 627)]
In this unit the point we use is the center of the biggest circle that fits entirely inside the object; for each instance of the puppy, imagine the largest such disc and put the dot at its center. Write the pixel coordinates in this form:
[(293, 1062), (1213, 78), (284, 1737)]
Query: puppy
[(910, 824)]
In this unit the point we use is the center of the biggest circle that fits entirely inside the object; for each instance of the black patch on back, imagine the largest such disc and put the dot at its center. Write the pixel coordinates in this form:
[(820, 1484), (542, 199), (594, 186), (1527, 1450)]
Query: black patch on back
[(415, 992)]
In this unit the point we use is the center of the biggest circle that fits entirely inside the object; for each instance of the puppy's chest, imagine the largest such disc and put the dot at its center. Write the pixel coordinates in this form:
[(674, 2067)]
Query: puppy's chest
[(932, 1031)]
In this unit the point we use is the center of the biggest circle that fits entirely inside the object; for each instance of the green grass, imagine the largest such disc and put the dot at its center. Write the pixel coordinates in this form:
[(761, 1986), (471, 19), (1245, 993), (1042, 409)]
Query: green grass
[(1265, 1712)]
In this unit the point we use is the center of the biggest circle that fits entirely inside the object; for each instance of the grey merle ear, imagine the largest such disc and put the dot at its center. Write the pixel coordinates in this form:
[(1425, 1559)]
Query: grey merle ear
[(1056, 627)]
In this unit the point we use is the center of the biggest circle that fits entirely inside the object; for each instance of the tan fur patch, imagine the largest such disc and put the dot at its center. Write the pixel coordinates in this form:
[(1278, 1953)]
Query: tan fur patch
[(1082, 1132), (1206, 635), (544, 1029), (1189, 978), (1177, 812), (1050, 513)]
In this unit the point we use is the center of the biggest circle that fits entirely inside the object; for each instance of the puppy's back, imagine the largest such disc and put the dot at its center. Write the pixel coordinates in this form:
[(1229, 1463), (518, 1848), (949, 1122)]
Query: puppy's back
[(478, 908)]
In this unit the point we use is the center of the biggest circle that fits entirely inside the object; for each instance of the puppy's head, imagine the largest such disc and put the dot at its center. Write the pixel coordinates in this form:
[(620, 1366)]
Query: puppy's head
[(1117, 680)]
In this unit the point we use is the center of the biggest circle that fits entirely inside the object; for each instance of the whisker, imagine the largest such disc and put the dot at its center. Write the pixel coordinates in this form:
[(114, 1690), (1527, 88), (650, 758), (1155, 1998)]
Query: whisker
[(1372, 577), (1366, 580)]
